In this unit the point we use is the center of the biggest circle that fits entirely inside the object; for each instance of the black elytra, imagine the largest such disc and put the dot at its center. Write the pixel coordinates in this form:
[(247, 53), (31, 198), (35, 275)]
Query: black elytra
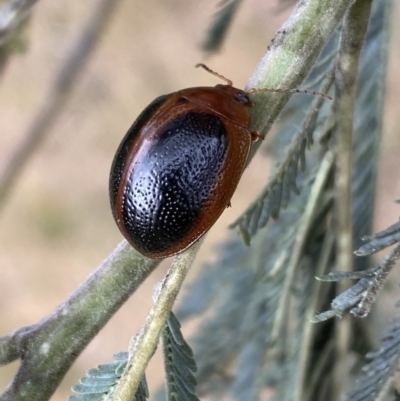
[(178, 166)]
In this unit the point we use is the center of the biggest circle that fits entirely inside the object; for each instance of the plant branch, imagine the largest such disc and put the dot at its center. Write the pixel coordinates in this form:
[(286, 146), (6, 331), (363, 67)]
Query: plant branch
[(354, 28), (291, 55), (48, 348), (352, 39), (65, 81), (144, 345)]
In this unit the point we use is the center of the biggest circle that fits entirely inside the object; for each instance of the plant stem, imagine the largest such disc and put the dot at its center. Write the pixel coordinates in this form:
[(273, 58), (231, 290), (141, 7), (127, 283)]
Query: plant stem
[(144, 344)]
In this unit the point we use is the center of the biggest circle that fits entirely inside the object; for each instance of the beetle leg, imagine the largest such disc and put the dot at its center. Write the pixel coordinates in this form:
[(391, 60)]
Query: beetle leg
[(255, 136), (229, 204)]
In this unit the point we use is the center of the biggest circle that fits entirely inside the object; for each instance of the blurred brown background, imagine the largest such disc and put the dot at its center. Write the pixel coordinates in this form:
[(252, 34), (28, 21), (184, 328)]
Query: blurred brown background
[(56, 227)]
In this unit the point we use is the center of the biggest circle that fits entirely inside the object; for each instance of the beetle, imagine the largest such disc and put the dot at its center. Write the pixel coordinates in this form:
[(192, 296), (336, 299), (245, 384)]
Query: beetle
[(179, 164)]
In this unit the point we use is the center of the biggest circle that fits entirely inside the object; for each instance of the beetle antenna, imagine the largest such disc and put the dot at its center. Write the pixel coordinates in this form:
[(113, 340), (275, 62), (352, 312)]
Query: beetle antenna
[(281, 90), (228, 81)]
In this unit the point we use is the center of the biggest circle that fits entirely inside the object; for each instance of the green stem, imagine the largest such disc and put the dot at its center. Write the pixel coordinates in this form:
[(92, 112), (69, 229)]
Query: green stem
[(144, 344), (353, 33), (291, 56)]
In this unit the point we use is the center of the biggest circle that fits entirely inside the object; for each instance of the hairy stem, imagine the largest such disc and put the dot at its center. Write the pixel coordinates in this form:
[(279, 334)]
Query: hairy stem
[(291, 55), (144, 344), (48, 348)]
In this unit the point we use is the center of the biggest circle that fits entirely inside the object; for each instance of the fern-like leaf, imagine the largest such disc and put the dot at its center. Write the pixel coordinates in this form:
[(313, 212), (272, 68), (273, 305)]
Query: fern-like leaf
[(359, 298), (277, 193), (100, 382), (220, 25), (179, 363), (200, 294), (251, 309), (380, 240), (376, 378)]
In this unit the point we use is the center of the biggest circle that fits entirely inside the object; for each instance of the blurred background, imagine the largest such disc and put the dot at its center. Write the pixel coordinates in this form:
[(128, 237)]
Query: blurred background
[(56, 226)]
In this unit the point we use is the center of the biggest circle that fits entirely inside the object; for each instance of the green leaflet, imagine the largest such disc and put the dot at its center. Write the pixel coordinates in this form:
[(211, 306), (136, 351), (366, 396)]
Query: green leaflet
[(99, 383), (178, 362)]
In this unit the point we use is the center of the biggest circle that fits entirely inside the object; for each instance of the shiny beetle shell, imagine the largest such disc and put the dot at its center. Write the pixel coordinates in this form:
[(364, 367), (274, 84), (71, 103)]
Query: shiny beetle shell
[(178, 166)]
